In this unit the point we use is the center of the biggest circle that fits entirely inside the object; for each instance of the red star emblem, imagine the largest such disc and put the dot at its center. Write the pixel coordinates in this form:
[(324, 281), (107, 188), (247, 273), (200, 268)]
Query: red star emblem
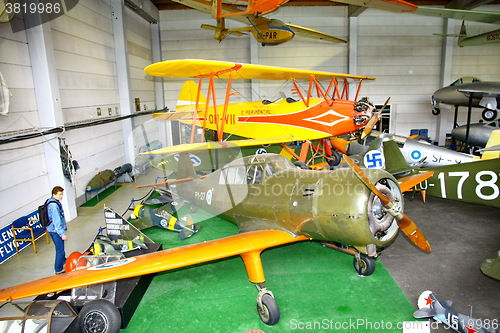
[(429, 300), (470, 329)]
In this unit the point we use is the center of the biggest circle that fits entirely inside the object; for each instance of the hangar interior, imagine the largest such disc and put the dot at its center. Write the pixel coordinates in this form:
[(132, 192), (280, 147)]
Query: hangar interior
[(77, 84)]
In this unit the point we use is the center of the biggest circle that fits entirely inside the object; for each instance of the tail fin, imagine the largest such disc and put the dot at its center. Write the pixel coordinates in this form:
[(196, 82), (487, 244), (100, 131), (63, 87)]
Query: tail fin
[(185, 167), (395, 162), (463, 34), (493, 143), (188, 97)]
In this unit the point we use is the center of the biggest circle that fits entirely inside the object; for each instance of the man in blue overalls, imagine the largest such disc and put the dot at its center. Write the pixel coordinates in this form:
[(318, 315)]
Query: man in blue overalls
[(57, 228)]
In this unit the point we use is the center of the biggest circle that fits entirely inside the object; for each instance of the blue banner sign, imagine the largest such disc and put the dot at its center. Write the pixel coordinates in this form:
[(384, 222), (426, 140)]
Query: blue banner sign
[(7, 248)]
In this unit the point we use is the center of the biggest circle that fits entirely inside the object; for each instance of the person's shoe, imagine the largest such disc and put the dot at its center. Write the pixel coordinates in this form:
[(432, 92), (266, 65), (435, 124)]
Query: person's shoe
[(60, 272)]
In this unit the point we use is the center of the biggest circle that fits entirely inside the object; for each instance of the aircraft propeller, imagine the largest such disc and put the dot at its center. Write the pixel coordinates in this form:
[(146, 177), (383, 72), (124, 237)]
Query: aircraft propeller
[(408, 227), (373, 120)]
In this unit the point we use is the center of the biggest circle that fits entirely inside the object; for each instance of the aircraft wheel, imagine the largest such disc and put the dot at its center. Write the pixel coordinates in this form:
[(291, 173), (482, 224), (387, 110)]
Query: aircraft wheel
[(301, 165), (99, 316), (489, 115), (269, 312), (436, 111), (364, 265), (334, 159)]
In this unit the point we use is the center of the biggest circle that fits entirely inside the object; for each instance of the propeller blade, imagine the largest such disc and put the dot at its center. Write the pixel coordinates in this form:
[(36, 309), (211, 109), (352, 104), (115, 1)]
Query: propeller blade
[(364, 179), (408, 227), (411, 230), (373, 120)]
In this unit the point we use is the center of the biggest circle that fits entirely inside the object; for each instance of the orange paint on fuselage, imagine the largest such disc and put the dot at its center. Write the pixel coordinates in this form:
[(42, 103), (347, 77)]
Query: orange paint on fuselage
[(282, 118)]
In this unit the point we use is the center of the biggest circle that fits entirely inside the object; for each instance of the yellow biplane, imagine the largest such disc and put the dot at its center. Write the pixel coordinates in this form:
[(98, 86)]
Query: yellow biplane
[(317, 114)]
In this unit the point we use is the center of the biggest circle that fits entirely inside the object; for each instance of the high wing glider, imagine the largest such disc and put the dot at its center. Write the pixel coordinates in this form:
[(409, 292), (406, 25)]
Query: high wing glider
[(348, 206), (266, 31), (470, 92), (458, 14), (315, 113)]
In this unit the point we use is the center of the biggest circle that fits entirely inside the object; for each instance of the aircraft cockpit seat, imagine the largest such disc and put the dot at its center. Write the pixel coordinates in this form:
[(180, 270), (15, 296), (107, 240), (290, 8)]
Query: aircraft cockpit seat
[(254, 174)]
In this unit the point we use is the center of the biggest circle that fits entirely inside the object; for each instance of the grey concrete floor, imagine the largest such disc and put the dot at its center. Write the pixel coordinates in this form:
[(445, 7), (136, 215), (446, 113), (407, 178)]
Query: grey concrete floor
[(461, 236)]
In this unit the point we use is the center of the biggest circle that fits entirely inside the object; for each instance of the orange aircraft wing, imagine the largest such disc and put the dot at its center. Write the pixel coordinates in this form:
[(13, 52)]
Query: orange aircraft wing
[(183, 256), (199, 68), (408, 182)]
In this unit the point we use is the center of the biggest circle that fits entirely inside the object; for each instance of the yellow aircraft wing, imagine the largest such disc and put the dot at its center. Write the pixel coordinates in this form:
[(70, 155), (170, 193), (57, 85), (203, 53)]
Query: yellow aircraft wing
[(199, 68), (226, 144), (177, 115), (310, 33), (183, 256)]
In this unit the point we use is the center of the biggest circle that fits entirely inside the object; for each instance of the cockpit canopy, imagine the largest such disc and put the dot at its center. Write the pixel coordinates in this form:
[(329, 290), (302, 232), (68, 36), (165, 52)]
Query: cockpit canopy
[(254, 169), (465, 79)]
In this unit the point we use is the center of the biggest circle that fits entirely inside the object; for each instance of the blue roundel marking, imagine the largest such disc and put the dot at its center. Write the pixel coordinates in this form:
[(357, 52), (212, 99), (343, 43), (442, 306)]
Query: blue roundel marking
[(416, 155), (209, 196), (374, 160)]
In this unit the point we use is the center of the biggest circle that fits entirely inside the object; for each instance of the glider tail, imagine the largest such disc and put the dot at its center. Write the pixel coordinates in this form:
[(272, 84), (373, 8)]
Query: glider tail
[(463, 34)]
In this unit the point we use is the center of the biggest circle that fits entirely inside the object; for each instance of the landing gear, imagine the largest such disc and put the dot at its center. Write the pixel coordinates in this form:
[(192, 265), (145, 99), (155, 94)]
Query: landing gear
[(436, 111), (489, 115), (267, 307), (363, 264), (334, 159), (99, 316)]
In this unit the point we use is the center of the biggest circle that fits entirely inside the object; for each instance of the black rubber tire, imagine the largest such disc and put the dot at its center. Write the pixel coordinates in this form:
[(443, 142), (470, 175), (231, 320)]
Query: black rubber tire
[(436, 111), (301, 165), (489, 115), (367, 266), (335, 158), (270, 314), (99, 316)]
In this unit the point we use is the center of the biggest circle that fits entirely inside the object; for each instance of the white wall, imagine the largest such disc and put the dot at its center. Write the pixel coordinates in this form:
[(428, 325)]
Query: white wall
[(22, 165), (84, 54)]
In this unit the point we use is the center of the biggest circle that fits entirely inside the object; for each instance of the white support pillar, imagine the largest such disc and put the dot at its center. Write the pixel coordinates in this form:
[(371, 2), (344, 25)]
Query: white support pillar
[(48, 101), (445, 78), (254, 59), (164, 127), (123, 76), (352, 60), (353, 45)]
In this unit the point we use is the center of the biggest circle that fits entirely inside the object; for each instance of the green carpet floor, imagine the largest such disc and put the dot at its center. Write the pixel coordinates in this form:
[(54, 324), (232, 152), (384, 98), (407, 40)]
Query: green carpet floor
[(316, 288), (101, 196)]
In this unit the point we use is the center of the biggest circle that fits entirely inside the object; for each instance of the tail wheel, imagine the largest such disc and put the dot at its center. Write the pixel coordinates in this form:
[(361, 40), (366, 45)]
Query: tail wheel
[(364, 265), (268, 310), (99, 316)]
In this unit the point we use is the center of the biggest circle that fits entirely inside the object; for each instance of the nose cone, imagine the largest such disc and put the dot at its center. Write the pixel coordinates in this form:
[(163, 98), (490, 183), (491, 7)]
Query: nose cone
[(349, 213)]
